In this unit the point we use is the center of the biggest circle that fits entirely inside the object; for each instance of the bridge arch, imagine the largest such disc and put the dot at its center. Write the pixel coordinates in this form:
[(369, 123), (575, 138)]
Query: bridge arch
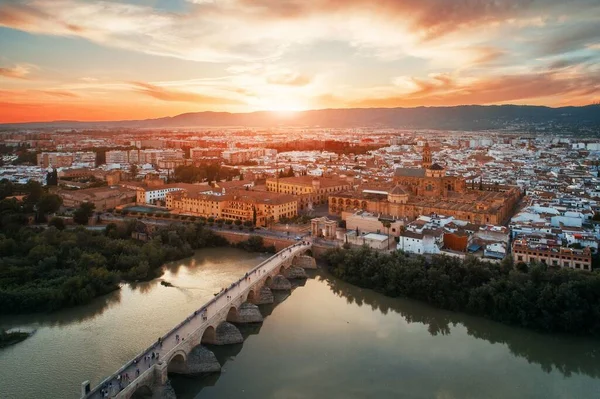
[(209, 336), (232, 315), (282, 270), (251, 297), (177, 363), (142, 392), (268, 282)]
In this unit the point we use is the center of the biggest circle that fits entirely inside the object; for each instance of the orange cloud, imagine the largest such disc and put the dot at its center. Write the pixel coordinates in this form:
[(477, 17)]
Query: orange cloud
[(16, 72), (164, 94), (447, 91), (59, 93), (431, 17)]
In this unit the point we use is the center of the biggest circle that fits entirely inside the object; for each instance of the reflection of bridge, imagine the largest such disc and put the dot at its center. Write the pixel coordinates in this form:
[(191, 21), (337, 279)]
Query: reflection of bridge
[(181, 350)]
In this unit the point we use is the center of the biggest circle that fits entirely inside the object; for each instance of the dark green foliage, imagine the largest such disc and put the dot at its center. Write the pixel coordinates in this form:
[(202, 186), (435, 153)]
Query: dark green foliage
[(44, 270), (57, 222), (83, 213), (548, 299), (48, 203)]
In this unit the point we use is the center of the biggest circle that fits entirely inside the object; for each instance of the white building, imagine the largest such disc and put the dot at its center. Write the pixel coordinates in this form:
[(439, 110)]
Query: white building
[(117, 157), (155, 194), (420, 243)]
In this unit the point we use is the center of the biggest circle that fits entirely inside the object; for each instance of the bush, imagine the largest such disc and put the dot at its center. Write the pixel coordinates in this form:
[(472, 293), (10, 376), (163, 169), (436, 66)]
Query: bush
[(59, 223)]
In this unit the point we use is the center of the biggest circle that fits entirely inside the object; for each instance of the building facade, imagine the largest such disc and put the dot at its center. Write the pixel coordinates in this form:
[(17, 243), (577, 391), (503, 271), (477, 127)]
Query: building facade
[(428, 191), (535, 248), (310, 191), (262, 208)]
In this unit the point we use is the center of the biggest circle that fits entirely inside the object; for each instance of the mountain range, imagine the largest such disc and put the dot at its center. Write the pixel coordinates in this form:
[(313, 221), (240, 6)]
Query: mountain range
[(471, 117)]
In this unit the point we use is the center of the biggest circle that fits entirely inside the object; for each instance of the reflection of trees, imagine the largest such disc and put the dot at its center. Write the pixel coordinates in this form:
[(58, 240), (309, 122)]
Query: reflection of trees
[(568, 355), (145, 286), (67, 316)]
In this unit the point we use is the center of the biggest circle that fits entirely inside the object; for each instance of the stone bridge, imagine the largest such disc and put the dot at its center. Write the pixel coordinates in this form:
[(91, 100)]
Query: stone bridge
[(181, 351)]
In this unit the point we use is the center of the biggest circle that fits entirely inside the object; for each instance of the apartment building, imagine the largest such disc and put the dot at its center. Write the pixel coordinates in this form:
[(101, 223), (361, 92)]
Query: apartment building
[(546, 249), (245, 205)]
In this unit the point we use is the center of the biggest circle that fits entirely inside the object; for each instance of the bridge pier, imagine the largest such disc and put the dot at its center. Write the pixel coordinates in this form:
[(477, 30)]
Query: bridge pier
[(294, 273), (265, 297), (280, 283), (305, 262), (201, 361), (164, 391), (225, 334), (247, 313)]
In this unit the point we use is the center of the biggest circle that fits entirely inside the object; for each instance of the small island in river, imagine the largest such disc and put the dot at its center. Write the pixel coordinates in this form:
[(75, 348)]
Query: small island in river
[(8, 338)]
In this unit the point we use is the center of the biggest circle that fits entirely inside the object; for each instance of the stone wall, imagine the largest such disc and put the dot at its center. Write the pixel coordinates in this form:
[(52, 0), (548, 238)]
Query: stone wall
[(234, 237)]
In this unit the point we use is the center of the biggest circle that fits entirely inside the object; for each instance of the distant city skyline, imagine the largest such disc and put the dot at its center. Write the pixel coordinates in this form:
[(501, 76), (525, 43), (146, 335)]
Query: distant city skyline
[(136, 59)]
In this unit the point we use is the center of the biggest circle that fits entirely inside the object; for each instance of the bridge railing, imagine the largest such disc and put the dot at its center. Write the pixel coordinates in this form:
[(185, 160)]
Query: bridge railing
[(174, 329)]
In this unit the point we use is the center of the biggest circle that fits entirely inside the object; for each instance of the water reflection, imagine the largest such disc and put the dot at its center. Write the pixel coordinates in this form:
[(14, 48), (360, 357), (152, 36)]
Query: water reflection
[(551, 352), (68, 316), (144, 287)]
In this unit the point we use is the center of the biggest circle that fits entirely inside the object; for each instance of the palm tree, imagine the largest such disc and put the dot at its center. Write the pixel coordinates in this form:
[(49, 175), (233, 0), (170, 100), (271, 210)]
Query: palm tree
[(387, 225)]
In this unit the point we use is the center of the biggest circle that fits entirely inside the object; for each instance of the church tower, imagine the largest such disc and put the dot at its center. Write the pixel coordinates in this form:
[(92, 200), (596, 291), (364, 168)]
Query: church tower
[(426, 156)]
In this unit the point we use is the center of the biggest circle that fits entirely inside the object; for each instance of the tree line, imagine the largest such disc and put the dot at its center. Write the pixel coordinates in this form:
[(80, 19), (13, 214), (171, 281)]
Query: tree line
[(47, 269), (537, 297)]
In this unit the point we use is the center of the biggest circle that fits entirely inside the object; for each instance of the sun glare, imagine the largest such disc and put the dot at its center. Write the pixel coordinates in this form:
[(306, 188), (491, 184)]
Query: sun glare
[(283, 106)]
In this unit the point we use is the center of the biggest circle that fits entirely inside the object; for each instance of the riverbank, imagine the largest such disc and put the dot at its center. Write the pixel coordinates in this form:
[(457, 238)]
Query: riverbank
[(8, 338), (538, 297), (46, 270)]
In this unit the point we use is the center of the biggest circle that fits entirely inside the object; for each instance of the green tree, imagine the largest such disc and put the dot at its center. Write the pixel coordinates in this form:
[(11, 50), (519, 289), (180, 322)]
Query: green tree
[(48, 203), (57, 222), (84, 213), (34, 192)]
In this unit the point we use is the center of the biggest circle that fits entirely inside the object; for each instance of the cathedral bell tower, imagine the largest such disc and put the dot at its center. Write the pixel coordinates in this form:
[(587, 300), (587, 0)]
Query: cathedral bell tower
[(426, 156)]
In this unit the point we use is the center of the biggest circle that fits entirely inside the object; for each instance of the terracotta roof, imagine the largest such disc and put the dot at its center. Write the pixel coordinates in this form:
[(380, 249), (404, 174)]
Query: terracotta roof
[(436, 166), (409, 172), (398, 191)]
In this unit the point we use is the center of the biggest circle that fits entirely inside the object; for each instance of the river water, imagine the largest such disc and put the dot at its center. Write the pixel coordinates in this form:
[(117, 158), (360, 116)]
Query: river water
[(326, 340)]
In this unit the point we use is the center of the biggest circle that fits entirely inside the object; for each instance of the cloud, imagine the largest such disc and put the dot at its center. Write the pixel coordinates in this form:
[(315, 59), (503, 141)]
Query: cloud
[(432, 18), (257, 30), (289, 79), (572, 39), (20, 71), (59, 93), (164, 94), (564, 63), (450, 91)]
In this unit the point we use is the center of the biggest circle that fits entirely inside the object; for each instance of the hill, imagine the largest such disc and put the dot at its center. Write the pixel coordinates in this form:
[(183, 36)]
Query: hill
[(471, 117)]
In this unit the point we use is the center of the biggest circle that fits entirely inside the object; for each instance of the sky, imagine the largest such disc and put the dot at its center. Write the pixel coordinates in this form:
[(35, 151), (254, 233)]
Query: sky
[(137, 59)]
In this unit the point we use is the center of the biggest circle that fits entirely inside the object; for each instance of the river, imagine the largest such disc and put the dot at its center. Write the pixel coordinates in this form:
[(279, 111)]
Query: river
[(326, 340)]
